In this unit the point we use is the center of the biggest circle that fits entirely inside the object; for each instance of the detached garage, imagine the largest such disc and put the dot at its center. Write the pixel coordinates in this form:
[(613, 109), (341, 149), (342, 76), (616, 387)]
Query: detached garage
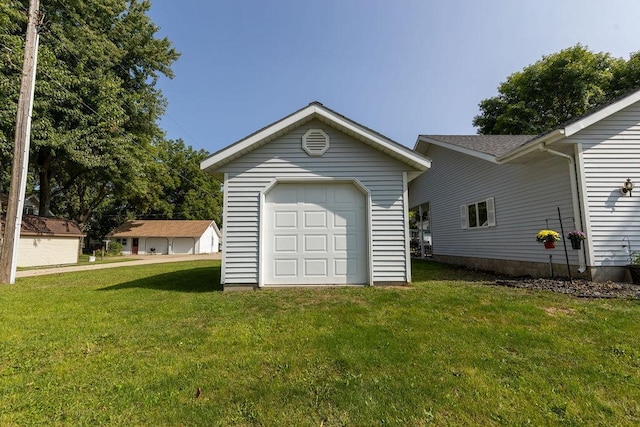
[(315, 199), (179, 237)]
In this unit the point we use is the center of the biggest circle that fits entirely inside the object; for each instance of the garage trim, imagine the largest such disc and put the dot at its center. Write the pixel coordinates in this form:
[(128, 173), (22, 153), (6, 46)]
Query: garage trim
[(313, 180)]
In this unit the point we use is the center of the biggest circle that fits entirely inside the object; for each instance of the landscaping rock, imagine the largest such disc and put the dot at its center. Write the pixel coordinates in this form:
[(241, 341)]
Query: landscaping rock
[(578, 287)]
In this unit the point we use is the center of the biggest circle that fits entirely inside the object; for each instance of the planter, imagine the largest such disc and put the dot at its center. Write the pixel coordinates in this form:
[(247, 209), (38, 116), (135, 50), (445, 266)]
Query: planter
[(549, 245), (576, 244), (635, 273)]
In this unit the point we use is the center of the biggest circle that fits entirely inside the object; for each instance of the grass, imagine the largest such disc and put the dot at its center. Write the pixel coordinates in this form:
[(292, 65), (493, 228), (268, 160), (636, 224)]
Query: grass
[(132, 345), (84, 260)]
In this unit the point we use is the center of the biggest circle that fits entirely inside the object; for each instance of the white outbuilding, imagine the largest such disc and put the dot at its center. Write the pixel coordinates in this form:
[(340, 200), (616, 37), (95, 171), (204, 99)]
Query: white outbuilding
[(315, 199)]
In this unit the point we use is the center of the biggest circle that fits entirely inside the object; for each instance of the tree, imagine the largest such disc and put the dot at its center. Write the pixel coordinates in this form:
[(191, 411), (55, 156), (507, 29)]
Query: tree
[(96, 105), (557, 88)]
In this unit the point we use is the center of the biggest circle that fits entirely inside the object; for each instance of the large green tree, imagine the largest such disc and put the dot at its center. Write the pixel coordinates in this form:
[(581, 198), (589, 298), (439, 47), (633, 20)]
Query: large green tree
[(557, 88), (96, 105)]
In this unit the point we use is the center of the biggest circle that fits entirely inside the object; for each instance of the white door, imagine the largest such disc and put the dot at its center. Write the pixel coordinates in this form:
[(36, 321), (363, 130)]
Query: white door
[(315, 234), (184, 245)]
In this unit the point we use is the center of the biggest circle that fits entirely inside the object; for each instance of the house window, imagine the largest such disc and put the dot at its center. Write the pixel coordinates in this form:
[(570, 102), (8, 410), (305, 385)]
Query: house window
[(123, 242), (479, 214)]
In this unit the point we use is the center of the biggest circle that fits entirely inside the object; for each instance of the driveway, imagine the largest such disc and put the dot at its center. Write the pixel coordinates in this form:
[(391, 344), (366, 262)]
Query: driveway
[(134, 261)]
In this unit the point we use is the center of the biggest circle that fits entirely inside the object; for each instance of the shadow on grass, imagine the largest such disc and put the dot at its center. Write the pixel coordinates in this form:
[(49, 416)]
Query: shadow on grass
[(202, 279), (427, 270)]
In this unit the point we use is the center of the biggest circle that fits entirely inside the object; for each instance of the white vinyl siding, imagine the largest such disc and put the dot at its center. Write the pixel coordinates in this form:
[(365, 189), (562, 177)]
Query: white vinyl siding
[(526, 197), (284, 158), (43, 250), (611, 154)]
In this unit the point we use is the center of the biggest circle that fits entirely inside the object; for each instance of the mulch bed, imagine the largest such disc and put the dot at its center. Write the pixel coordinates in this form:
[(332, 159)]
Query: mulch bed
[(578, 287)]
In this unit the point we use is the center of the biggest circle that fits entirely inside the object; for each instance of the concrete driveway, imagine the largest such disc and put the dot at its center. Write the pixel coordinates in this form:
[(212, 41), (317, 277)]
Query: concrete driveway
[(134, 261)]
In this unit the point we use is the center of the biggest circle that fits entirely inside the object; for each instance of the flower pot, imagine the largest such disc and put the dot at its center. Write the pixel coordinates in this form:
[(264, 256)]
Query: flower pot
[(576, 244), (549, 245)]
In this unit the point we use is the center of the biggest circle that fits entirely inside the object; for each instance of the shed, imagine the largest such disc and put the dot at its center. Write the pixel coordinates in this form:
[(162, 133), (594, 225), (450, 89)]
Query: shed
[(315, 199), (167, 237), (487, 196), (47, 241)]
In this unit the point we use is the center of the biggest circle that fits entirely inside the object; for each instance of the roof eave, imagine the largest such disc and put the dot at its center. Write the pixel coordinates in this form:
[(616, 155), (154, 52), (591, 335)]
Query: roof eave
[(532, 145)]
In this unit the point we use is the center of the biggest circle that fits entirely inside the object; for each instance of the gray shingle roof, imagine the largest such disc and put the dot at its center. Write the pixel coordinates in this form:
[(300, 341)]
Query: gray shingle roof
[(494, 145)]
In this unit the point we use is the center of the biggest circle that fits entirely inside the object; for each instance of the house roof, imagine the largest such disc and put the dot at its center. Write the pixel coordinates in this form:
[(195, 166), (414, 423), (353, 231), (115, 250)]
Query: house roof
[(164, 228), (32, 225), (504, 148), (315, 110), (491, 146)]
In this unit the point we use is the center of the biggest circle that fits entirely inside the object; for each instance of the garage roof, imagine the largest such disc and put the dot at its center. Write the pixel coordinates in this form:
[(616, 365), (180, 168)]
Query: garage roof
[(315, 110), (163, 228), (32, 225)]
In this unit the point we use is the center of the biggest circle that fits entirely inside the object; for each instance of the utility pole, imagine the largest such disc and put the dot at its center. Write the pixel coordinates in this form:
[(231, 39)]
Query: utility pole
[(15, 204)]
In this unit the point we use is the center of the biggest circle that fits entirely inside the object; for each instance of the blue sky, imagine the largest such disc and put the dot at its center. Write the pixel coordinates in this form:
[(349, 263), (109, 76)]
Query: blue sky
[(400, 67)]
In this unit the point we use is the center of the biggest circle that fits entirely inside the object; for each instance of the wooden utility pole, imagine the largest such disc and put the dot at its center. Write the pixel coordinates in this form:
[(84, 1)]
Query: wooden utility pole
[(9, 251)]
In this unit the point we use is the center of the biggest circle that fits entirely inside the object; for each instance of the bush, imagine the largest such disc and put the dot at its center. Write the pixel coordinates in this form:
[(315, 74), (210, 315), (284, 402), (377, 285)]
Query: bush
[(115, 249)]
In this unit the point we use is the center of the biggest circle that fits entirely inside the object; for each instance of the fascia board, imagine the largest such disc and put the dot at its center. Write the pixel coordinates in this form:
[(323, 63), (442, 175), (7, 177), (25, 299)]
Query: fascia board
[(602, 114), (531, 146)]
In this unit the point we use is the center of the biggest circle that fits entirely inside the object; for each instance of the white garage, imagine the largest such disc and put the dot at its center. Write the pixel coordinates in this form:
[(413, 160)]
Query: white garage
[(315, 199), (315, 233), (173, 237)]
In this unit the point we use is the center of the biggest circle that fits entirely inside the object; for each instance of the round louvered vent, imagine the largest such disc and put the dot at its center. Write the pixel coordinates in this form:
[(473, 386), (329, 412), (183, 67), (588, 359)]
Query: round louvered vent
[(315, 142)]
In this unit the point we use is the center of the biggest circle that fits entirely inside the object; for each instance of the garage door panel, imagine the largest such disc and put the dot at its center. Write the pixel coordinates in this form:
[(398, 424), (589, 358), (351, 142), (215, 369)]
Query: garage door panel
[(320, 239), (286, 268), (286, 243), (315, 219), (286, 219), (315, 243), (316, 267)]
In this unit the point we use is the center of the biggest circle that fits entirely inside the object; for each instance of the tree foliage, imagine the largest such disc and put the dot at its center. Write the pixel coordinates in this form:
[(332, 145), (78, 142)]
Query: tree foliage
[(556, 89), (97, 151)]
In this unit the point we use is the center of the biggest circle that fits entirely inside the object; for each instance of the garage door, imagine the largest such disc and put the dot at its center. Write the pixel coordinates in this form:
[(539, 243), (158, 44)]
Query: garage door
[(184, 245), (315, 234), (156, 245)]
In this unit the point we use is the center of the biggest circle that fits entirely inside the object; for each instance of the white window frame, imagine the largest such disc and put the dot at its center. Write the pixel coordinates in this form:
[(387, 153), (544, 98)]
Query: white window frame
[(491, 214)]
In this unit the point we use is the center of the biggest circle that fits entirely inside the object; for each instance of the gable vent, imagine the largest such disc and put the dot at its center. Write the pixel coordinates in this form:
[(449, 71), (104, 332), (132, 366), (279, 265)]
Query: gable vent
[(315, 142)]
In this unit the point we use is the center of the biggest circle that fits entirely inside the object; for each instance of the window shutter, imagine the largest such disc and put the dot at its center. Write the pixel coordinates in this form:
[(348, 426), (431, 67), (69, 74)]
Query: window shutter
[(491, 212), (463, 217)]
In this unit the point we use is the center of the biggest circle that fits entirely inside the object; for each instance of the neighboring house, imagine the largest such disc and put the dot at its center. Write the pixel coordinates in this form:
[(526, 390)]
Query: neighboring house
[(315, 199), (167, 237), (47, 241), (31, 205), (486, 197)]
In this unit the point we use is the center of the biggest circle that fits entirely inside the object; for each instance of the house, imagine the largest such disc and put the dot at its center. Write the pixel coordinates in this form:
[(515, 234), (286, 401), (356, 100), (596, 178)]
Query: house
[(315, 199), (31, 205), (486, 197), (47, 241), (167, 237)]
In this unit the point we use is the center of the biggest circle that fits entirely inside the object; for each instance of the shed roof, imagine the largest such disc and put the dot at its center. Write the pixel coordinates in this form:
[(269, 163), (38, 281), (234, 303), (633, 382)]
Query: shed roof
[(164, 228), (314, 110), (32, 225)]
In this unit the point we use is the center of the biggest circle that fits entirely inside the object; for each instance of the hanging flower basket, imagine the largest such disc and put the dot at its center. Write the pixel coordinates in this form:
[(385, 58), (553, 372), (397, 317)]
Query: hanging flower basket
[(548, 238), (576, 238)]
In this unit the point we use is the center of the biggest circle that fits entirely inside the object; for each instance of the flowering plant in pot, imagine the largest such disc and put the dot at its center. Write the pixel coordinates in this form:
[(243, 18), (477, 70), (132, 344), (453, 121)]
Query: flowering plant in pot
[(548, 238), (576, 237)]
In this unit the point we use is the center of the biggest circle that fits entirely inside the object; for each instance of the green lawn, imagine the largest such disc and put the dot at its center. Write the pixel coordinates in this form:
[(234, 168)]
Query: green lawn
[(132, 345)]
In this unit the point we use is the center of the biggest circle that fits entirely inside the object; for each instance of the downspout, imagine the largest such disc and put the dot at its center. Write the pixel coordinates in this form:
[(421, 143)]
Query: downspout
[(574, 197)]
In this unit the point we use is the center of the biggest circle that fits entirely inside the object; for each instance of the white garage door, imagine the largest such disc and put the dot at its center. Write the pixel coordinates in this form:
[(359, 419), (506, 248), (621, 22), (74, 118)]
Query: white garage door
[(184, 245), (157, 245), (315, 234)]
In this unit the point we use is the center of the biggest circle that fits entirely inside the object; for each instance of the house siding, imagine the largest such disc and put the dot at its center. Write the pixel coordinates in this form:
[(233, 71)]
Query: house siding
[(284, 157), (36, 251), (526, 195), (610, 153)]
